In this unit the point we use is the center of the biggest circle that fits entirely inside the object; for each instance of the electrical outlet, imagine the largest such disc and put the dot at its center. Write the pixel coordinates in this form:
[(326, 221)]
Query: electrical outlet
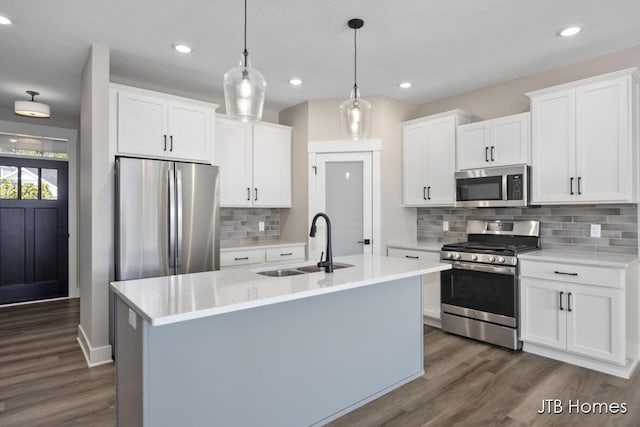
[(595, 230), (261, 226), (132, 318), (445, 225)]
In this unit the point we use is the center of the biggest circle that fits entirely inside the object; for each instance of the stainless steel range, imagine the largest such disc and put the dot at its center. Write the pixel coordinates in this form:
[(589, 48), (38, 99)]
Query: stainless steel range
[(480, 294)]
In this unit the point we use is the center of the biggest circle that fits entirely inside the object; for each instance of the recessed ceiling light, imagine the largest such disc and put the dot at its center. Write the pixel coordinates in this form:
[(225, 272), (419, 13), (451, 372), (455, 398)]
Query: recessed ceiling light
[(295, 82), (4, 20), (182, 48), (405, 85), (571, 31)]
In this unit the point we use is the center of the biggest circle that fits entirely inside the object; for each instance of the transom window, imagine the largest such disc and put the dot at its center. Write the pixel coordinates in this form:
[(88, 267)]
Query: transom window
[(33, 146)]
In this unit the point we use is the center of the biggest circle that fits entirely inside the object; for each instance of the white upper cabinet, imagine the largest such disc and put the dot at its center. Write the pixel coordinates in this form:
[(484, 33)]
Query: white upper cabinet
[(152, 124), (585, 141), (498, 142), (429, 156), (255, 164)]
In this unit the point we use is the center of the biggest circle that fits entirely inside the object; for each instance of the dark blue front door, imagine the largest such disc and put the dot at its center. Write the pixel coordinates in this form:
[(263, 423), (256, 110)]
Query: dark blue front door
[(34, 234)]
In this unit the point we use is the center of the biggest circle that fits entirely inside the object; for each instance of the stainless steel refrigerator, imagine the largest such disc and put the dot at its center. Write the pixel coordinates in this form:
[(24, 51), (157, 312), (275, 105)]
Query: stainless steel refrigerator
[(167, 218)]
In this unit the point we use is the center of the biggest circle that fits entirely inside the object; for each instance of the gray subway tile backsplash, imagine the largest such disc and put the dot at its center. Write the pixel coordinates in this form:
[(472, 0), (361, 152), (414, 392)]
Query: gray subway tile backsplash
[(240, 225), (561, 227)]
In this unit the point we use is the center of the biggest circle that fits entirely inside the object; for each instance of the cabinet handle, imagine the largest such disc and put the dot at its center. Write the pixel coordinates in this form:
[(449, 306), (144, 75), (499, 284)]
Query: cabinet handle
[(493, 149), (171, 146), (561, 307), (571, 186), (424, 193), (486, 154), (256, 190), (242, 258), (165, 143), (569, 301), (287, 254), (579, 189), (412, 257), (566, 274), (248, 193), (428, 193)]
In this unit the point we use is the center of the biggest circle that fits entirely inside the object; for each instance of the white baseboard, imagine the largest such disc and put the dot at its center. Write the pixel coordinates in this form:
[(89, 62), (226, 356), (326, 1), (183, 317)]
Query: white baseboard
[(585, 362), (95, 356), (432, 321)]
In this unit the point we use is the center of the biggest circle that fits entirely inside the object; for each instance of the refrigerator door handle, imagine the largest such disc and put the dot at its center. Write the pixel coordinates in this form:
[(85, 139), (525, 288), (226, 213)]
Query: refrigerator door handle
[(179, 227), (172, 218)]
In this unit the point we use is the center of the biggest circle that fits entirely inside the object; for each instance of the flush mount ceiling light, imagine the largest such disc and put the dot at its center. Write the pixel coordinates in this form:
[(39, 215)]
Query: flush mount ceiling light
[(182, 48), (244, 87), (355, 111), (5, 21), (31, 108), (571, 31), (295, 82), (405, 85)]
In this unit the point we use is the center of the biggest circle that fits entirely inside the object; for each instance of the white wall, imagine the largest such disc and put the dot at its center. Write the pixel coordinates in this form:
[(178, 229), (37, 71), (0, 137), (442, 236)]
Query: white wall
[(96, 218), (56, 120)]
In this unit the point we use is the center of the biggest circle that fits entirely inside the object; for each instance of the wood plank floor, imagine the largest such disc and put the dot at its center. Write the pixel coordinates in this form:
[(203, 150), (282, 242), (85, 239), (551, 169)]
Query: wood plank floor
[(44, 381)]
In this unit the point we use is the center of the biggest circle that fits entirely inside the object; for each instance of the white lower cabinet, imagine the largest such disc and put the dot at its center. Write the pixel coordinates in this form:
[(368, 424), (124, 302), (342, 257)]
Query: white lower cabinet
[(252, 257), (566, 316), (430, 282)]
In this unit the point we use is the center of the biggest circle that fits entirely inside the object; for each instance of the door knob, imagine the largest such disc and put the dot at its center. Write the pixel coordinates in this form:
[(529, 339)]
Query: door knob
[(365, 241)]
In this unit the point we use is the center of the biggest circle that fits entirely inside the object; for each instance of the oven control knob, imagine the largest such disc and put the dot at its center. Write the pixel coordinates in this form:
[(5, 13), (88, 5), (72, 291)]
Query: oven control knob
[(449, 255), (457, 256), (501, 259), (474, 257), (492, 259)]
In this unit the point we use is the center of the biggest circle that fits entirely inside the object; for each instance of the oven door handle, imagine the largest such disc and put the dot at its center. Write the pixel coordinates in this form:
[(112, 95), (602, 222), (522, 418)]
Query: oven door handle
[(485, 268)]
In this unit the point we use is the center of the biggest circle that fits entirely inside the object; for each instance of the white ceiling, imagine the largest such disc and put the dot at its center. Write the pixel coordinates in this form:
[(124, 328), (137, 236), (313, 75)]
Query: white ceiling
[(443, 46)]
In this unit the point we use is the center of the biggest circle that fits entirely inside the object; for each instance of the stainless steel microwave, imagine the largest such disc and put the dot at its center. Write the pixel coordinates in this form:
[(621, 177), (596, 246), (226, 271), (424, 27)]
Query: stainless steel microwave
[(493, 187)]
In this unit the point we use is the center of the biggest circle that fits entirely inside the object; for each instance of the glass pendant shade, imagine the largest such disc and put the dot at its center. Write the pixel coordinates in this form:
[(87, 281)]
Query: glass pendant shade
[(355, 114), (244, 89)]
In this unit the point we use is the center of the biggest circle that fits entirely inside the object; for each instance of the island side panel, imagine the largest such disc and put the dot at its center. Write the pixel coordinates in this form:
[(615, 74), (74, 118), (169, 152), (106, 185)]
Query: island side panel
[(294, 363), (128, 354)]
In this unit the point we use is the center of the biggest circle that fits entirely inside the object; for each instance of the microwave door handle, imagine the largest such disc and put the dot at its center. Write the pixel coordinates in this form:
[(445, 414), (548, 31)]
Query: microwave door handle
[(504, 187)]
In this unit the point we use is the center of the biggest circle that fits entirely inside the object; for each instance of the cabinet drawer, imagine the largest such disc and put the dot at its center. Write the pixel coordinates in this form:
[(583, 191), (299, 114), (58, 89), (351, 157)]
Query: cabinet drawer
[(249, 256), (413, 254), (598, 276), (288, 253)]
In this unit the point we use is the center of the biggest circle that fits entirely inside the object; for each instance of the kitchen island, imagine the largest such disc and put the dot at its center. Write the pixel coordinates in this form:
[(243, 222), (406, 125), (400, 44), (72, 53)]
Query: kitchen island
[(235, 348)]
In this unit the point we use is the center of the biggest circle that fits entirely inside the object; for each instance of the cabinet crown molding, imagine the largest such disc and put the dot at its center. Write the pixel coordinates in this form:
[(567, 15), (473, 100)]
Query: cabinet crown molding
[(167, 96), (457, 112), (631, 72)]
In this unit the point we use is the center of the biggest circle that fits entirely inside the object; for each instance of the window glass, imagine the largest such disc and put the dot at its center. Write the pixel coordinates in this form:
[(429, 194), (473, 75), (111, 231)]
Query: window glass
[(33, 146), (8, 182), (49, 184), (29, 178)]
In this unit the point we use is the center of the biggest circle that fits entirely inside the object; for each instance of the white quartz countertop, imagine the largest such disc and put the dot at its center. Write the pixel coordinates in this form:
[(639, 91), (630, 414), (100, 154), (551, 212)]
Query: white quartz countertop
[(260, 245), (421, 245), (585, 258), (171, 299)]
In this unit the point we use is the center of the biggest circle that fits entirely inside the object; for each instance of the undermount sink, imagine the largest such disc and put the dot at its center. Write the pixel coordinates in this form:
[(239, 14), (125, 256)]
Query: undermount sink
[(283, 272)]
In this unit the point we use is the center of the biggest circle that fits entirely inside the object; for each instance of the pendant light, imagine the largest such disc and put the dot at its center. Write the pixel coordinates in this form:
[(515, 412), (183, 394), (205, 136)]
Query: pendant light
[(355, 112), (32, 108), (244, 87)]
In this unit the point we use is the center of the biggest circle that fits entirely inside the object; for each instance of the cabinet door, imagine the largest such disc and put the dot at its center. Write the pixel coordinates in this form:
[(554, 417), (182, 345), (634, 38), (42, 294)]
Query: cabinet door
[(472, 146), (542, 321), (430, 282), (441, 145), (414, 154), (141, 124), (233, 155), (189, 129), (510, 140), (553, 147), (596, 323), (603, 147), (271, 166)]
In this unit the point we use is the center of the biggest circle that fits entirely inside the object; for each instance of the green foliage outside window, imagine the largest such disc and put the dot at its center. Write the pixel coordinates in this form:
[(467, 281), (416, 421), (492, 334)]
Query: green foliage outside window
[(9, 190)]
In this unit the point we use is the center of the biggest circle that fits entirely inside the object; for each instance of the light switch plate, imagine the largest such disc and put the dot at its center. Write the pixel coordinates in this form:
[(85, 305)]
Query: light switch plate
[(595, 230), (261, 226), (132, 318), (445, 225)]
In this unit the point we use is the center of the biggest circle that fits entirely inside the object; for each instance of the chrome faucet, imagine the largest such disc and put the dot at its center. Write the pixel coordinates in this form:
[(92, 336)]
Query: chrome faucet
[(328, 262)]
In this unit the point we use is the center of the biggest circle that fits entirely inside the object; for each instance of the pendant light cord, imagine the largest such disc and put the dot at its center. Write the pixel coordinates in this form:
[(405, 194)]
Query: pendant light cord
[(355, 62), (245, 52)]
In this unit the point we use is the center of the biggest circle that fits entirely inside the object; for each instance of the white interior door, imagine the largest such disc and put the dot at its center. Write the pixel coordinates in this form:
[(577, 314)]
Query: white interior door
[(344, 191)]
